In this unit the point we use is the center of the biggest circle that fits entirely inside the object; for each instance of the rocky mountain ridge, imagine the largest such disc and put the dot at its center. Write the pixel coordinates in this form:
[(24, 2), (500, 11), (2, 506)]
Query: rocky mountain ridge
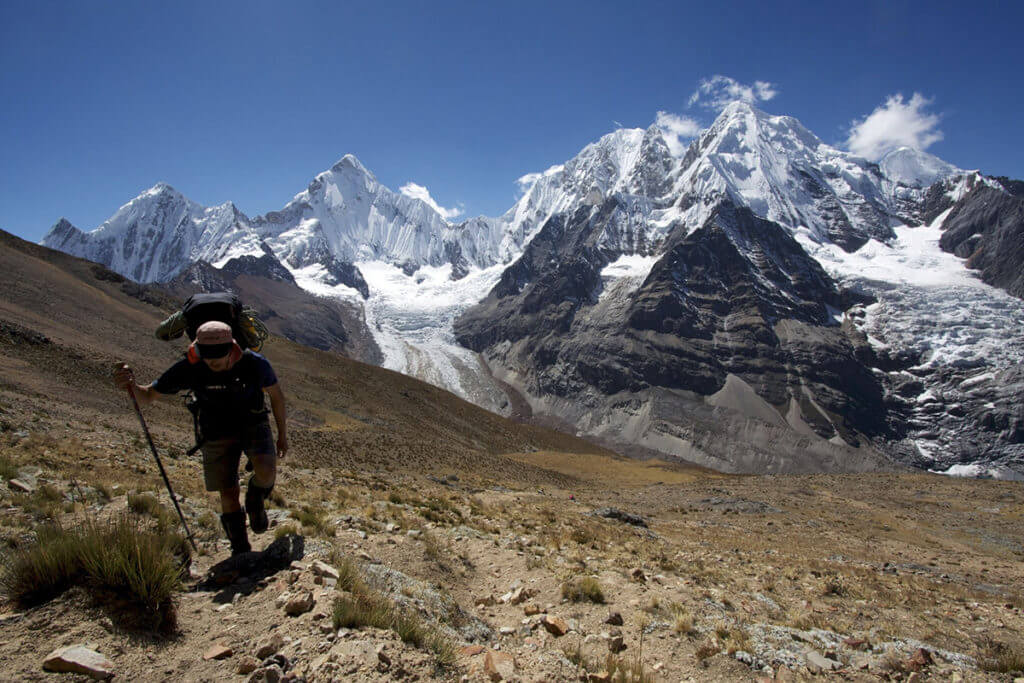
[(598, 281)]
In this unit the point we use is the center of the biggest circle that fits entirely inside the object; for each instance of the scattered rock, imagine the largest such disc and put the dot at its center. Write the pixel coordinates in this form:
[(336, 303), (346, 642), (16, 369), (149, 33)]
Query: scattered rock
[(246, 665), (19, 485), (300, 604), (920, 659), (818, 662), (554, 625), (516, 596), (499, 666), (325, 570), (218, 651), (278, 660), (857, 643), (268, 674), (616, 643), (269, 646), (615, 513), (79, 659), (614, 619), (531, 609)]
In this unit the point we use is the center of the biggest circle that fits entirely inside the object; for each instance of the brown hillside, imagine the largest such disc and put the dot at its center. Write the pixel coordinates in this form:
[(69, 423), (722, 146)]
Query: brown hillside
[(345, 413)]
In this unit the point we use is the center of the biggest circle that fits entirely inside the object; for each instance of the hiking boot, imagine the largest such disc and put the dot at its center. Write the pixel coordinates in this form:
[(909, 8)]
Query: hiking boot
[(234, 527), (254, 497)]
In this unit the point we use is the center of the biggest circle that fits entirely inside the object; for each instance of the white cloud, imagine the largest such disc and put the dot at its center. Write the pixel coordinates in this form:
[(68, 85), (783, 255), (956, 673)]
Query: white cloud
[(895, 124), (718, 91), (419, 192), (676, 130), (527, 181)]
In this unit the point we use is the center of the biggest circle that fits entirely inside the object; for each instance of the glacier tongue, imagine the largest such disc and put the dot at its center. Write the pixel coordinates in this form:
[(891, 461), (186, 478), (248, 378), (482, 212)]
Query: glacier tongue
[(411, 319)]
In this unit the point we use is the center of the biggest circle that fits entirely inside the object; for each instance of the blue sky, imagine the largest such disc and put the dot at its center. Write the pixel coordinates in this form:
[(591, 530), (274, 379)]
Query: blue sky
[(248, 101)]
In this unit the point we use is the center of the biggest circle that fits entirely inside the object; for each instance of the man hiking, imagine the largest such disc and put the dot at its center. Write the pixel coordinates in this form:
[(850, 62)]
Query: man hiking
[(228, 384)]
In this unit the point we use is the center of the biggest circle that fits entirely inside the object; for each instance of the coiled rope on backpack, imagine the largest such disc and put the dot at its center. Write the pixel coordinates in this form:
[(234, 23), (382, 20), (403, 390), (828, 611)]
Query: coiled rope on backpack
[(254, 329)]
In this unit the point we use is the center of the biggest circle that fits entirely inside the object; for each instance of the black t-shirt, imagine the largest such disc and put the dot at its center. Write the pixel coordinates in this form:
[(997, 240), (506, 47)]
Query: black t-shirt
[(228, 401)]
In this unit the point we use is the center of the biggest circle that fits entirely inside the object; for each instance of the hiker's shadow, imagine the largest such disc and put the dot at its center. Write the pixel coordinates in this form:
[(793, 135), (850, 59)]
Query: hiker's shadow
[(241, 574)]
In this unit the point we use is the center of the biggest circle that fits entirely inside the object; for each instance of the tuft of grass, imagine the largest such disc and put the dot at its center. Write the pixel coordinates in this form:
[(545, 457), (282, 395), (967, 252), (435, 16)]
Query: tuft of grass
[(999, 657), (118, 555), (8, 470), (709, 648), (147, 504), (285, 530), (143, 504), (834, 585), (583, 589), (682, 620), (365, 608), (620, 669), (104, 491), (313, 520)]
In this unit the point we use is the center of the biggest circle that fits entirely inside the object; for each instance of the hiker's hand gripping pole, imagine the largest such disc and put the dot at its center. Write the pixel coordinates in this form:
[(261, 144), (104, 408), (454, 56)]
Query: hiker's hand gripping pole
[(163, 473)]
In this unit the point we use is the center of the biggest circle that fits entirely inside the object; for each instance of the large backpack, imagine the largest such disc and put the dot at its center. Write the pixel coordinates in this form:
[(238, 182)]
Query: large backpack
[(225, 307)]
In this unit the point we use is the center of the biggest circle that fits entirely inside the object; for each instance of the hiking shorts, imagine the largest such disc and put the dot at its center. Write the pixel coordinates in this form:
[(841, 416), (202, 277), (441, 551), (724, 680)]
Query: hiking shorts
[(222, 456)]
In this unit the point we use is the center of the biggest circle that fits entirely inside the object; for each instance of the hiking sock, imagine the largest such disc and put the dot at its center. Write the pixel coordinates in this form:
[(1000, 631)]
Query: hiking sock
[(234, 527), (254, 497)]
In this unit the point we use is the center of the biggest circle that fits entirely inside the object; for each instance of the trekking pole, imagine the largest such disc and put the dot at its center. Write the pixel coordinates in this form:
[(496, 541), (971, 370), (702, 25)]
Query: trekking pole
[(163, 473)]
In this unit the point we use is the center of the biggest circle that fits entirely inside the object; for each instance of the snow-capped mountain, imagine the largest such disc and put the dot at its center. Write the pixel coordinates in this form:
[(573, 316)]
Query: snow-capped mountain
[(566, 295), (158, 234)]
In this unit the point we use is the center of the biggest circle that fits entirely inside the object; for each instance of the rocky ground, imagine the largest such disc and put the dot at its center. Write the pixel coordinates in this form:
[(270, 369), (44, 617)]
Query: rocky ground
[(642, 569)]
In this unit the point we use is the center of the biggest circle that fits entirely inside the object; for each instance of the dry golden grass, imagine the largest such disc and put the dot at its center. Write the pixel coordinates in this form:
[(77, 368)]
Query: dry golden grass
[(597, 469)]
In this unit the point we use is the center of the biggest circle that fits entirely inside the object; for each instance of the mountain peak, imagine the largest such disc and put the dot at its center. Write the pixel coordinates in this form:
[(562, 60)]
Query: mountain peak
[(161, 188), (915, 168), (349, 162)]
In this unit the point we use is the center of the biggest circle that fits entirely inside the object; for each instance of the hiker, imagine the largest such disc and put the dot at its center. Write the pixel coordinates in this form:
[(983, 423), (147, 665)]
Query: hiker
[(228, 384)]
